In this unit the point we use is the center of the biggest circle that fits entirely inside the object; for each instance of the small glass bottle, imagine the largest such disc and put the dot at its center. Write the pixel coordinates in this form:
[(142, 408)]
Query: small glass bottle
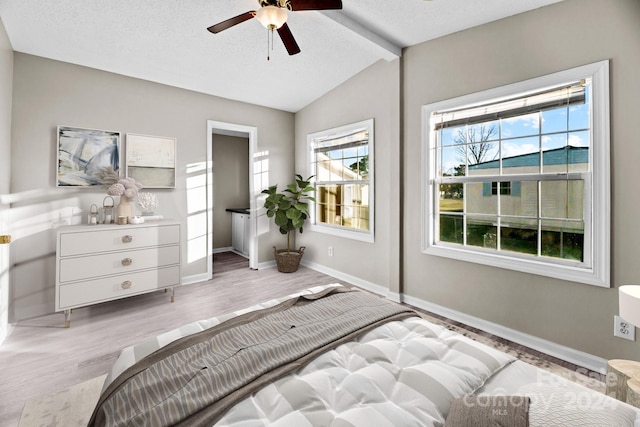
[(93, 215)]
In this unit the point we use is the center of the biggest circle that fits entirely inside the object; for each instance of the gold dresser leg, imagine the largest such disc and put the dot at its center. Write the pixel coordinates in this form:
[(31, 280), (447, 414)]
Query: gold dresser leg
[(67, 318)]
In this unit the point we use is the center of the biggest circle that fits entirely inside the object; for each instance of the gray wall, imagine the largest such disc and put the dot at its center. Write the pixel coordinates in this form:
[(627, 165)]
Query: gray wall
[(543, 41), (230, 184), (48, 93), (546, 40), (6, 88), (374, 93)]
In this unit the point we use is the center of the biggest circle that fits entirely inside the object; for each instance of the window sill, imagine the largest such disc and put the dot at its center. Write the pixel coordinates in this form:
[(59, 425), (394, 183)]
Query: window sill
[(589, 276), (347, 234)]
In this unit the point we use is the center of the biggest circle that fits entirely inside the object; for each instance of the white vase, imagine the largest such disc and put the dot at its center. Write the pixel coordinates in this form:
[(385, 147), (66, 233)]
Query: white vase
[(124, 209)]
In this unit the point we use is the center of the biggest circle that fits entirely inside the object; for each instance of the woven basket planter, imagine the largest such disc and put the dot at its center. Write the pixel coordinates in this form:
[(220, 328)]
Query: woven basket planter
[(288, 262)]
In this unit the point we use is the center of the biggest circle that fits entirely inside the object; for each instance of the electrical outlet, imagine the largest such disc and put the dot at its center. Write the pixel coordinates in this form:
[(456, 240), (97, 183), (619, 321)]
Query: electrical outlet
[(623, 329), (330, 251)]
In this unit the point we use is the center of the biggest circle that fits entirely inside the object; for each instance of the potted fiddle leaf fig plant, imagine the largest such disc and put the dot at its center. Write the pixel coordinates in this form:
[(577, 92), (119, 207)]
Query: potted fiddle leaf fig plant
[(290, 210)]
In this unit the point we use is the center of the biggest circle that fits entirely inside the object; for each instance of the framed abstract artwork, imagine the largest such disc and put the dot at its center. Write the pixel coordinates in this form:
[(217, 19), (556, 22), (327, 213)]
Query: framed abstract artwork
[(87, 157), (151, 160)]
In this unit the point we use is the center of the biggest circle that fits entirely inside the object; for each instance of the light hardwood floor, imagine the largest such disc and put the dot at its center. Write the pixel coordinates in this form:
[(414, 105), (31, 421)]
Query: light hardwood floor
[(40, 356)]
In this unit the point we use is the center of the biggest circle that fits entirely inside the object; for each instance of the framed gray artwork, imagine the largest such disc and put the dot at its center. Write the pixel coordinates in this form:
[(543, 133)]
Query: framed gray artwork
[(87, 157), (151, 160)]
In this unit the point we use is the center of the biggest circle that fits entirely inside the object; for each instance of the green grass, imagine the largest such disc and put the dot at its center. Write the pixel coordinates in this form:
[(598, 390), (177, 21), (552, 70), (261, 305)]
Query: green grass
[(451, 205), (555, 244)]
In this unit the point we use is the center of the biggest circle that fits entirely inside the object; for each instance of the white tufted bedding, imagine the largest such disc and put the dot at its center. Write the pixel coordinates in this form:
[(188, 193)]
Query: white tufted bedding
[(403, 373)]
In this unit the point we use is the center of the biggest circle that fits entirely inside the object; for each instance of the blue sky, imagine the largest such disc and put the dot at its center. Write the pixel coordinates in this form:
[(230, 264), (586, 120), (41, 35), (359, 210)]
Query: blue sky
[(524, 134)]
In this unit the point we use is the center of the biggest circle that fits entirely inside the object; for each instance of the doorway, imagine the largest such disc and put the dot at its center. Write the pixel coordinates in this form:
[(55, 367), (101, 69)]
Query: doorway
[(249, 134)]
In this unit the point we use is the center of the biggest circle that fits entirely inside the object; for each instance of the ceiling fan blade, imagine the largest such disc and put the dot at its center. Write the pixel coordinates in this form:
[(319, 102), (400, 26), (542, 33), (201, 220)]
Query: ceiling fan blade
[(220, 26), (288, 40), (315, 4)]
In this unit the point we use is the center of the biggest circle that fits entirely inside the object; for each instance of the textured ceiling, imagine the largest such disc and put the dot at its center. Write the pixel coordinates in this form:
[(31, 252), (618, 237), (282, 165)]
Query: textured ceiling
[(167, 41)]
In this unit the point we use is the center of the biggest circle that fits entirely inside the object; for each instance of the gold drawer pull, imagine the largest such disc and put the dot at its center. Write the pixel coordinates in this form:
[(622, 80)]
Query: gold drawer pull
[(127, 261), (126, 284), (127, 239)]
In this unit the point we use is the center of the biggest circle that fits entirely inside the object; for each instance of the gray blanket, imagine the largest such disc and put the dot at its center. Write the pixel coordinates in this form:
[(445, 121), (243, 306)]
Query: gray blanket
[(489, 411), (194, 380)]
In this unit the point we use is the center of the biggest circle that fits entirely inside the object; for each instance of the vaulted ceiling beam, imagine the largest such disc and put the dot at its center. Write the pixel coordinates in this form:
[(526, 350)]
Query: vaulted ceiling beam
[(388, 50)]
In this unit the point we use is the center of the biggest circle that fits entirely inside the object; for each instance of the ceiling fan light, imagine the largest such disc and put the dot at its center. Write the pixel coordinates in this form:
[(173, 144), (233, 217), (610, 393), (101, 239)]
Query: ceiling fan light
[(272, 17)]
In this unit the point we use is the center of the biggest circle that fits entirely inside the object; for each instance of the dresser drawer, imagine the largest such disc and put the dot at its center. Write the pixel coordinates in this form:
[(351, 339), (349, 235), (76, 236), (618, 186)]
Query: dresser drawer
[(117, 238), (106, 264), (114, 287)]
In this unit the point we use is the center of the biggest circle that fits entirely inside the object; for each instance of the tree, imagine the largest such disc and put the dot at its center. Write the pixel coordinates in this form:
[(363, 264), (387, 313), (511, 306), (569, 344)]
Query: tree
[(454, 191), (475, 139), (460, 170), (361, 167)]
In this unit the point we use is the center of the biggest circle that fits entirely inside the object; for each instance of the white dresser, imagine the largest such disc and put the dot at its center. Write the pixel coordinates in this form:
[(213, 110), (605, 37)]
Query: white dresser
[(98, 263)]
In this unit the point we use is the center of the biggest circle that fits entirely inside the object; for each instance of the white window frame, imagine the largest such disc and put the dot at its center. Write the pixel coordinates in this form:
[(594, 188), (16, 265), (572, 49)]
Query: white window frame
[(597, 214), (336, 230)]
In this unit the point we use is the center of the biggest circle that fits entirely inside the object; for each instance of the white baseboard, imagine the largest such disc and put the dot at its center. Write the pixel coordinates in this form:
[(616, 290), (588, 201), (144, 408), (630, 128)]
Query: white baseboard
[(219, 250), (364, 284), (268, 264), (196, 278), (395, 296), (568, 354)]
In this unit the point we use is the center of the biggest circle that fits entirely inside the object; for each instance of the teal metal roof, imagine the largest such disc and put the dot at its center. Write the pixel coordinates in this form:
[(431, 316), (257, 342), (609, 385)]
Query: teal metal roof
[(558, 156)]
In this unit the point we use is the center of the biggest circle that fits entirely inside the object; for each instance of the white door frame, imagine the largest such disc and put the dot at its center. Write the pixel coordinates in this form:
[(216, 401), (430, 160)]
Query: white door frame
[(231, 129)]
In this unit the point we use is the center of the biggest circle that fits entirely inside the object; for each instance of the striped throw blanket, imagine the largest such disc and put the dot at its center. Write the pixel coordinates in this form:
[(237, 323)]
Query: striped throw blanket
[(196, 379)]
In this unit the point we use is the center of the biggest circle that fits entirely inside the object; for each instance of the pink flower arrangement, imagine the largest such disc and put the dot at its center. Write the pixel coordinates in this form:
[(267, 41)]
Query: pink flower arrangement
[(127, 187)]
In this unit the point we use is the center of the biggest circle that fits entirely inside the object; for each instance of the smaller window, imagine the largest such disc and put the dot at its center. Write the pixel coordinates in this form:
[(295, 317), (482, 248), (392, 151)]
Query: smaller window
[(341, 161), (505, 188)]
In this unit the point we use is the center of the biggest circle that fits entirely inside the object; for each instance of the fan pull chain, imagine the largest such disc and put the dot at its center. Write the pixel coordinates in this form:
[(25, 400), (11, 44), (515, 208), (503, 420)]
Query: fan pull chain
[(269, 42)]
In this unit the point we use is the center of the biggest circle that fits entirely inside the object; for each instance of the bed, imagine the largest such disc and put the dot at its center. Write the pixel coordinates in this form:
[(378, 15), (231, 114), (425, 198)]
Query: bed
[(334, 356)]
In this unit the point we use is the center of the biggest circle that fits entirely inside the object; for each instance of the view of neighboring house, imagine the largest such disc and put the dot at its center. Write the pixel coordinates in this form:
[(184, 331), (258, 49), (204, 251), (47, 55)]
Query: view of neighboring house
[(520, 198), (522, 207), (341, 204)]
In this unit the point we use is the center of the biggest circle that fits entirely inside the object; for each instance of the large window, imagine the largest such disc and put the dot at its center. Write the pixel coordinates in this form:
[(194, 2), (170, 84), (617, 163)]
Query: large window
[(341, 161), (518, 176)]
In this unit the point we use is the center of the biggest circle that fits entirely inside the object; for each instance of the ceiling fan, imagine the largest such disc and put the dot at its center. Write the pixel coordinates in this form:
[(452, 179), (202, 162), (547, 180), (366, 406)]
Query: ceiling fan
[(273, 15)]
